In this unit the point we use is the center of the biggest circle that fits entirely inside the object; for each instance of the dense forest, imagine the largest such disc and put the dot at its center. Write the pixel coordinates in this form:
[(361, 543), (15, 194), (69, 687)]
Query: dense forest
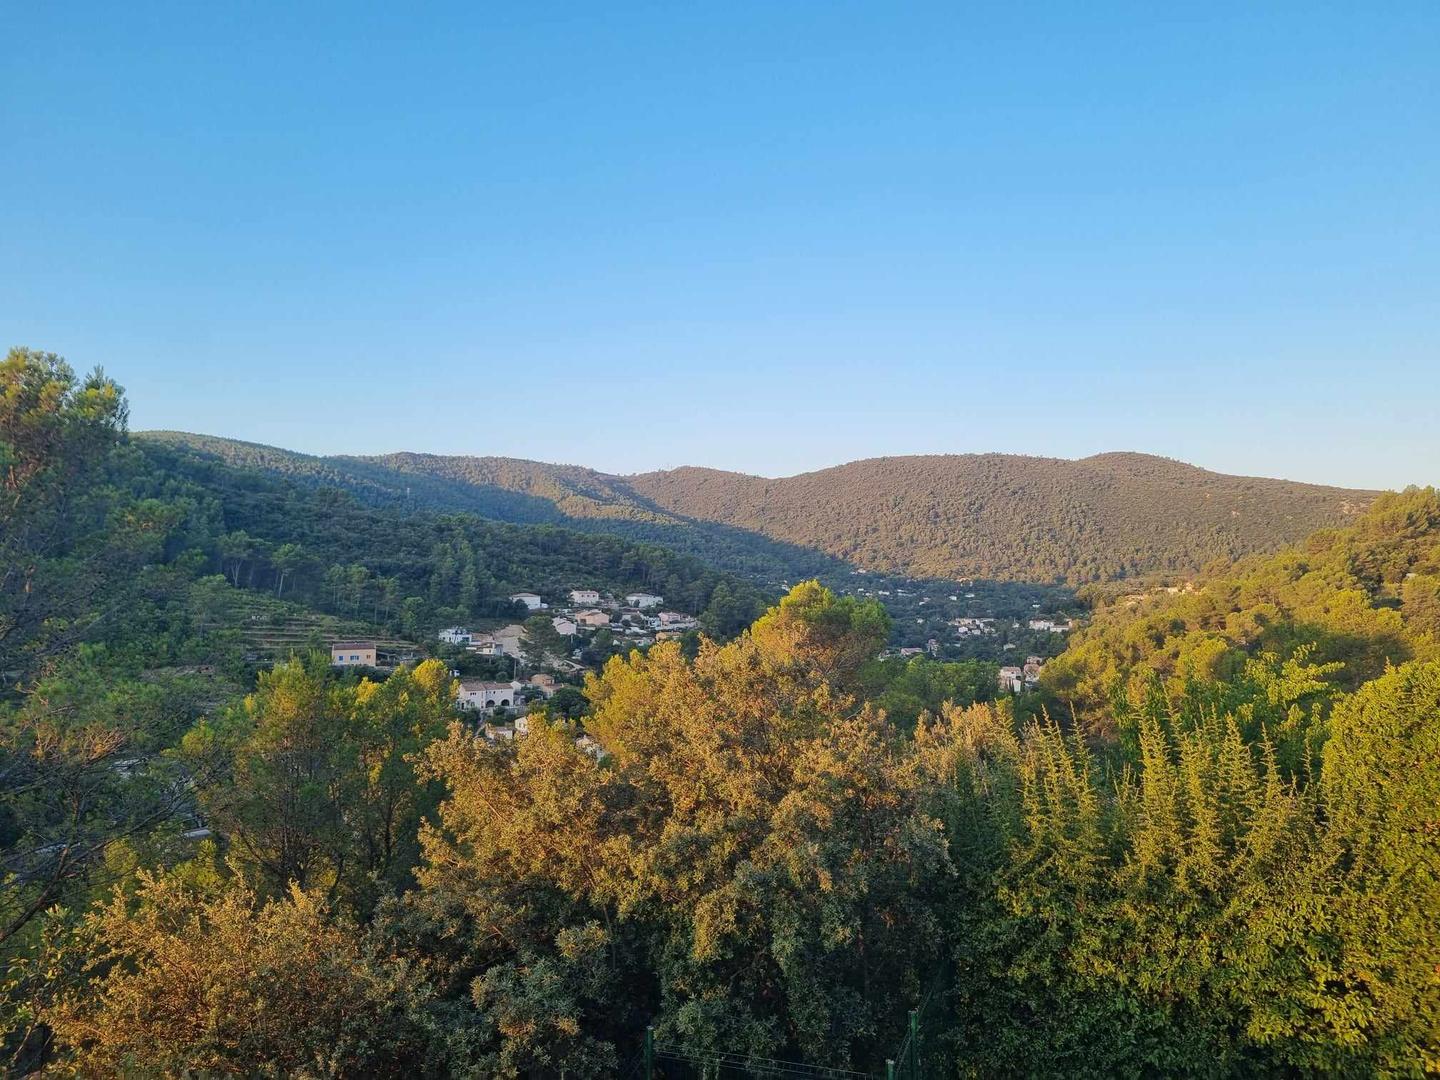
[(1217, 852), (412, 571), (998, 516), (522, 492), (1348, 602)]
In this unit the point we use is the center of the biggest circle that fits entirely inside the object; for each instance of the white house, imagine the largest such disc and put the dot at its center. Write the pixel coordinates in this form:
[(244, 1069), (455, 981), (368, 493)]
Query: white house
[(676, 620), (584, 596), (1051, 625), (456, 635), (563, 626), (482, 694), (1012, 679), (352, 654), (529, 599), (972, 626), (643, 600), (592, 618)]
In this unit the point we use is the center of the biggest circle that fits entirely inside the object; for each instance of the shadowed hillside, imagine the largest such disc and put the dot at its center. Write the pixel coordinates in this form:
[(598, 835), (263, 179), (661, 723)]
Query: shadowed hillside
[(1000, 516)]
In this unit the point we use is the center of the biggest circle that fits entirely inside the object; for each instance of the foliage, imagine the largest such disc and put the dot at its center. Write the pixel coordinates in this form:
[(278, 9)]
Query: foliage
[(313, 781), (955, 516), (219, 981), (1190, 910), (413, 572), (746, 852), (1220, 855), (908, 689), (1342, 597), (65, 537)]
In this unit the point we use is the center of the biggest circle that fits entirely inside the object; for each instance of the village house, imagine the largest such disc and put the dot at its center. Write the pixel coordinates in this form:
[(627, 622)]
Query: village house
[(1011, 679), (529, 599), (592, 619), (1051, 625), (968, 627), (1033, 664), (455, 635), (584, 596), (643, 600), (483, 694), (565, 627), (546, 684), (675, 620), (353, 654)]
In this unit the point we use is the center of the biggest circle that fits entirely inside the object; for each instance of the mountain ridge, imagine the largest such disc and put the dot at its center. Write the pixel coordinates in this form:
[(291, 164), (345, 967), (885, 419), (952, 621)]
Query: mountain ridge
[(1118, 514)]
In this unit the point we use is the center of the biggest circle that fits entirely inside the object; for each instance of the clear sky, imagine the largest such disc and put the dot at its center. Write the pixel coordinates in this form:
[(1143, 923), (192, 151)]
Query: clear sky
[(765, 236)]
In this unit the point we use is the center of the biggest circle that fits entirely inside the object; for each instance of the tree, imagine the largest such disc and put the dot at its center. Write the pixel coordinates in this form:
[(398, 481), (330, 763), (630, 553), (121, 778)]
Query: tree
[(390, 724), (61, 560), (80, 771), (541, 641), (222, 981), (288, 772), (315, 780), (1379, 952), (747, 857), (567, 703), (287, 559), (834, 636)]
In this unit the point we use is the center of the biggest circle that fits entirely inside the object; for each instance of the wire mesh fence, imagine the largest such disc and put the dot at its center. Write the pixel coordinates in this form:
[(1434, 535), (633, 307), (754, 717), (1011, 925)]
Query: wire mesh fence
[(921, 1052)]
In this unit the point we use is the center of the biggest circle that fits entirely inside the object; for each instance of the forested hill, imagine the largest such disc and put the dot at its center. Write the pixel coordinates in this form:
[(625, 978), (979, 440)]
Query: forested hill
[(1000, 516), (1007, 516)]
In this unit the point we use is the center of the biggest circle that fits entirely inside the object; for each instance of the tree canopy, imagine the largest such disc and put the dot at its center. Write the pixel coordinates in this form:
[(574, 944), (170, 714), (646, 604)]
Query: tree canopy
[(1208, 846)]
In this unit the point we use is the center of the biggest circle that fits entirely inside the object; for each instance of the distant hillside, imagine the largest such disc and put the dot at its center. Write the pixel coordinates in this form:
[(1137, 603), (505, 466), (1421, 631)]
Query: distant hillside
[(997, 516), (1006, 516)]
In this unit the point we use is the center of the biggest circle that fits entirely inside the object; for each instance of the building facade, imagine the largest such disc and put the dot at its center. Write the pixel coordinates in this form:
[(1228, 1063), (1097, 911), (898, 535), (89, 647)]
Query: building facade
[(352, 654)]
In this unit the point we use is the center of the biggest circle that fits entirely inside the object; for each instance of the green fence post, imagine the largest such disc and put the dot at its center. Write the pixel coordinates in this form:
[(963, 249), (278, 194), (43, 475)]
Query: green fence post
[(889, 1069), (916, 1071), (650, 1052)]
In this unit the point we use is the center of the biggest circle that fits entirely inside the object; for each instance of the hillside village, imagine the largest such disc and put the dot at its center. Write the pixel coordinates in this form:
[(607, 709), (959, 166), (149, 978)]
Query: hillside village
[(548, 652), (544, 653)]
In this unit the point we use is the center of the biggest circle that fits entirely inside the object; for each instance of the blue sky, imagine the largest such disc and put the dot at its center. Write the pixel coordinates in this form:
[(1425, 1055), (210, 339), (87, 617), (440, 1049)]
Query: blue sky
[(760, 236)]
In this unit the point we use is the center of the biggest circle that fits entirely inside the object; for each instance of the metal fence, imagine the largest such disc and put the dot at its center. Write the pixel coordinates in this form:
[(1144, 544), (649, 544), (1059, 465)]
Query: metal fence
[(921, 1054)]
